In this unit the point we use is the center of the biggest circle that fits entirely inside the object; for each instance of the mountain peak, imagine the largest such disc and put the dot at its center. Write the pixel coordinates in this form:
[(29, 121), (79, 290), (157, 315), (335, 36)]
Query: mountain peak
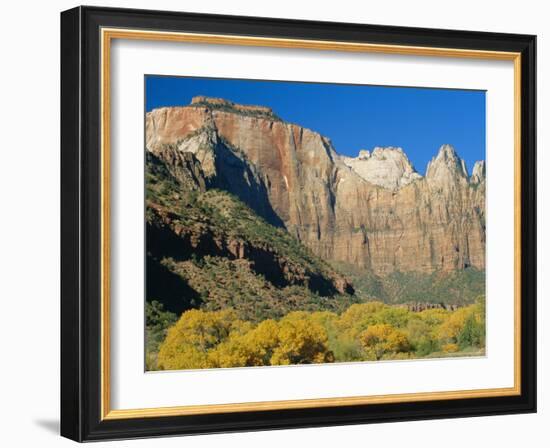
[(446, 165), (447, 151), (478, 173), (386, 167)]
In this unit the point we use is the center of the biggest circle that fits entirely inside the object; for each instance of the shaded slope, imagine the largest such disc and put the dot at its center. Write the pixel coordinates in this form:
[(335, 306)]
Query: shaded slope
[(211, 250)]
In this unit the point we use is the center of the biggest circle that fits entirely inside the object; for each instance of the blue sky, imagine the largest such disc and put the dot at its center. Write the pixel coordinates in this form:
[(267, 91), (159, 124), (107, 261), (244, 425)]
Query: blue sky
[(354, 117)]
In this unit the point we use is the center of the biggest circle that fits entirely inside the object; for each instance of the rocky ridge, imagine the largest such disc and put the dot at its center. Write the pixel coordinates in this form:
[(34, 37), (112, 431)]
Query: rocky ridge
[(373, 211)]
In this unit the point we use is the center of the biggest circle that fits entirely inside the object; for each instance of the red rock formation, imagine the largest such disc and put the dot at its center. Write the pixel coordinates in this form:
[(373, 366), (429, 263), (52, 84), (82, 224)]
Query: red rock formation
[(293, 174)]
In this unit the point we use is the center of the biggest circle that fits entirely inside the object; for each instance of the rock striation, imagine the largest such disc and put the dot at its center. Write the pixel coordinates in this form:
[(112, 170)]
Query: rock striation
[(373, 211)]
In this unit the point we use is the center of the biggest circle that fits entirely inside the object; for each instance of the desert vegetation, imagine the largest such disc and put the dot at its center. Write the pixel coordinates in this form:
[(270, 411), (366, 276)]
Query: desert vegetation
[(455, 288), (369, 331)]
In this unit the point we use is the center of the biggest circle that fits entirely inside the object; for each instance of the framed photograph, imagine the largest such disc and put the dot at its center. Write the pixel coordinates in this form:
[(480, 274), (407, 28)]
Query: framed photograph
[(273, 223)]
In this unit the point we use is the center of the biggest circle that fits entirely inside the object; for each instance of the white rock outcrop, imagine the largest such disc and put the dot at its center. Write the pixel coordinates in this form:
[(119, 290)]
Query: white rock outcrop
[(388, 167)]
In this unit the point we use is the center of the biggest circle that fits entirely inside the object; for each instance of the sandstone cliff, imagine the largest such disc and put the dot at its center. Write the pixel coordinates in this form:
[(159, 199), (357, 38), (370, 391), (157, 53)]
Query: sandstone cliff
[(373, 211)]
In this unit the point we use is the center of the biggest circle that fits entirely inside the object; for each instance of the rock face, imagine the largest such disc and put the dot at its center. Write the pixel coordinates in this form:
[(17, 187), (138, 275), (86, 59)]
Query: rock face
[(387, 167), (446, 168), (478, 173), (373, 211)]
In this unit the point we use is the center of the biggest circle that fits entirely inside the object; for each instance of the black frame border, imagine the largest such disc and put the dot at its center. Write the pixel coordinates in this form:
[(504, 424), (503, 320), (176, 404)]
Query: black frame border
[(81, 224)]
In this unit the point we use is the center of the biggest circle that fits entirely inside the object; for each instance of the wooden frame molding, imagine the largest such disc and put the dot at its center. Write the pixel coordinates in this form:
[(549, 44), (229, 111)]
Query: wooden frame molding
[(107, 36), (87, 34)]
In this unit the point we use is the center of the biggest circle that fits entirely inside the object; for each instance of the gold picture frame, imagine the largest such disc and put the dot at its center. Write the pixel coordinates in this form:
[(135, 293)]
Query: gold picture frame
[(108, 30)]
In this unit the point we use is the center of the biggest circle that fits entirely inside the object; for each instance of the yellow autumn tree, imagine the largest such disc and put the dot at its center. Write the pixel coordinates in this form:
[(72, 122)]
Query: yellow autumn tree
[(453, 325), (196, 332), (326, 319), (382, 339), (422, 336), (464, 328), (357, 318), (359, 311), (253, 348), (434, 317), (297, 339), (367, 331), (301, 340), (207, 339)]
